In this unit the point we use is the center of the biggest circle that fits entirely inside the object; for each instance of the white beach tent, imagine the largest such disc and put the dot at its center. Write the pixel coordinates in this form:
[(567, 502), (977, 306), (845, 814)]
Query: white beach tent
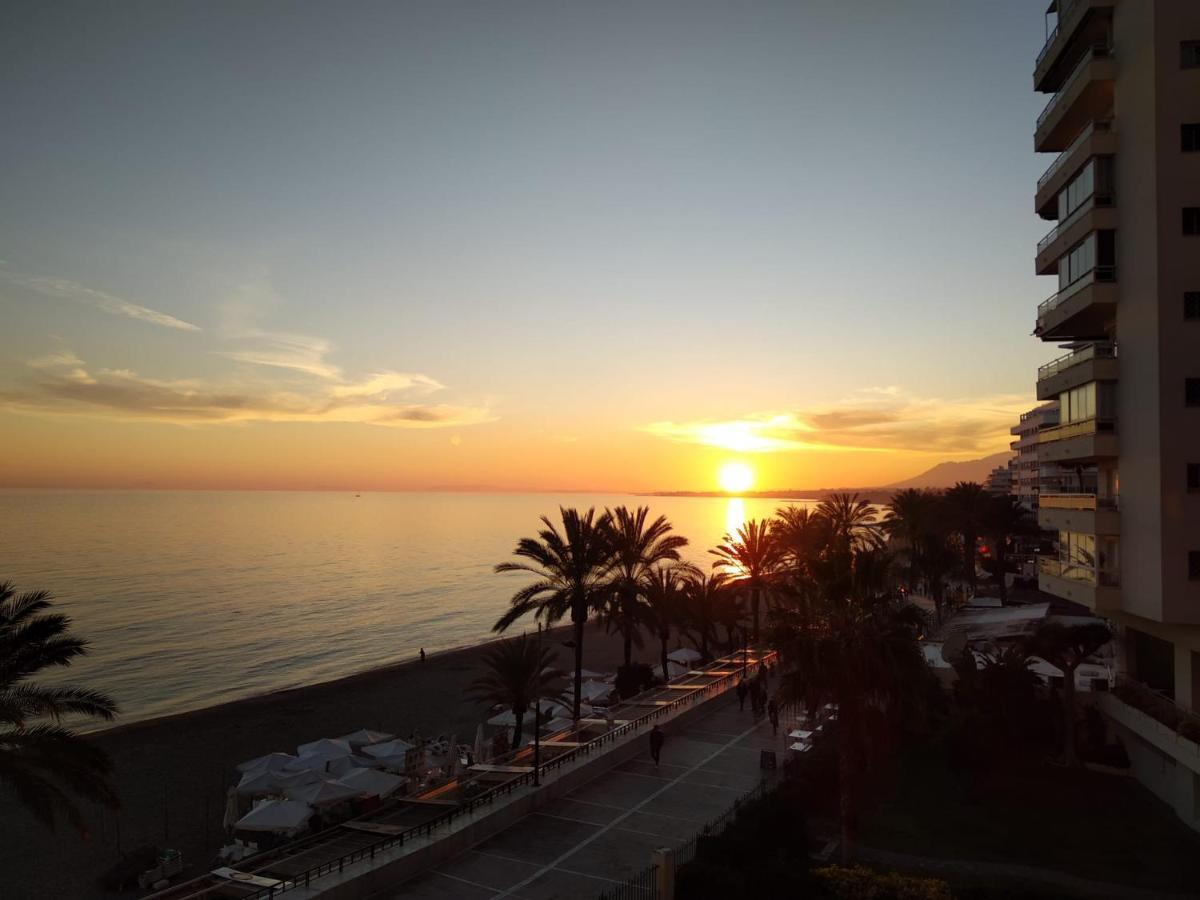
[(674, 669), (365, 737), (272, 761), (372, 782), (598, 676), (390, 754), (330, 747), (277, 816), (322, 793), (259, 782), (684, 655), (344, 764), (594, 690)]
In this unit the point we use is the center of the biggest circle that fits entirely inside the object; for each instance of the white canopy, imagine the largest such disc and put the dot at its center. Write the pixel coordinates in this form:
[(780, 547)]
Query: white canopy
[(258, 782), (276, 816), (801, 747), (330, 747), (271, 761), (344, 764), (558, 724), (364, 737), (322, 793), (593, 690), (598, 676), (316, 762), (674, 669), (684, 655), (371, 782), (394, 747)]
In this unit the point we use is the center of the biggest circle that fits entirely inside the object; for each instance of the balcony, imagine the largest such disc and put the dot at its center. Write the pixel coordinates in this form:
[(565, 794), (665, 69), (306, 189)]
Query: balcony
[(1099, 138), (1096, 213), (1086, 95), (1081, 311), (1092, 362), (1088, 513), (1094, 438), (1099, 590), (1173, 729), (1077, 22)]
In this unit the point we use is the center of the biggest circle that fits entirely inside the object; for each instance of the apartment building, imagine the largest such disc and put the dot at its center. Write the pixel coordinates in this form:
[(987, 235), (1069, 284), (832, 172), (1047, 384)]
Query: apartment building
[(1000, 480), (1122, 79), (1030, 474)]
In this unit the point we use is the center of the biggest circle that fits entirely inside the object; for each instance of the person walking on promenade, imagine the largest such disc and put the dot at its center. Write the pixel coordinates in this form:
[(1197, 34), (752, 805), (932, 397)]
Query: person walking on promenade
[(741, 692), (773, 713), (656, 742), (422, 654)]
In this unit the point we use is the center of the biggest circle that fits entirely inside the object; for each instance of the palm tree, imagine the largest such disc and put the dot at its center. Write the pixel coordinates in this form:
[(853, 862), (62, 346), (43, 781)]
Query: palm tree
[(909, 520), (1067, 647), (570, 569), (43, 763), (705, 595), (857, 648), (636, 547), (1004, 518), (519, 673), (751, 558), (966, 502), (665, 590), (851, 521)]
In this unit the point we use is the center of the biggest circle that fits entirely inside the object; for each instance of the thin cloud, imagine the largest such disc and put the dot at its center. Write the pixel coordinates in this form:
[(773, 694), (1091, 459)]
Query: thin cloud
[(61, 384), (872, 420), (63, 289)]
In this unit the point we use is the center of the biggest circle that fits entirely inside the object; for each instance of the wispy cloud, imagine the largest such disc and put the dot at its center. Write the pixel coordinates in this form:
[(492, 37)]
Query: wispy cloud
[(282, 350), (872, 420), (63, 289), (61, 383)]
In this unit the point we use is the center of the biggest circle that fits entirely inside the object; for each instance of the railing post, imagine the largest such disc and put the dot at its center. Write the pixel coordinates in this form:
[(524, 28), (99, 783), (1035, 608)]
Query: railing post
[(664, 873)]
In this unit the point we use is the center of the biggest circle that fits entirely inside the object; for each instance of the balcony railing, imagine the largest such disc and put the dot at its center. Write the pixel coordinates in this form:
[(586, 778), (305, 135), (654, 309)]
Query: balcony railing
[(1100, 125), (1076, 570), (1078, 500), (1097, 199), (1099, 350), (1183, 721), (1065, 9), (1094, 52), (1094, 425), (1102, 274)]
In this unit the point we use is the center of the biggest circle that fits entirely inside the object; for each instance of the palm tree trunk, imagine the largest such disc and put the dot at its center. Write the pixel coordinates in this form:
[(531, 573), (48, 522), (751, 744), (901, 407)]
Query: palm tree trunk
[(579, 623), (704, 641), (1069, 755), (627, 634), (517, 729), (664, 637), (754, 609)]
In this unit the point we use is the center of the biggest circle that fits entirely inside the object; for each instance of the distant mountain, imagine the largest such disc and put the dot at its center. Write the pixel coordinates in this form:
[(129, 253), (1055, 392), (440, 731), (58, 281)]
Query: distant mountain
[(945, 474)]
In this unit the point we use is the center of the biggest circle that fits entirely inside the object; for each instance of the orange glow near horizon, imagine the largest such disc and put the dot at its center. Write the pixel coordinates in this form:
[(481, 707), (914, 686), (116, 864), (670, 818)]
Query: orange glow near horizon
[(735, 477)]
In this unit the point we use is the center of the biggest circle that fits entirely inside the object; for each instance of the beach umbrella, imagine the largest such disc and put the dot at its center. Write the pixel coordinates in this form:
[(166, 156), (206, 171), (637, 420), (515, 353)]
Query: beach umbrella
[(344, 764), (322, 793), (394, 747), (480, 747), (270, 761), (231, 809), (275, 816), (331, 747), (258, 782), (364, 737), (371, 782), (674, 669), (505, 719), (588, 673), (595, 690), (684, 655)]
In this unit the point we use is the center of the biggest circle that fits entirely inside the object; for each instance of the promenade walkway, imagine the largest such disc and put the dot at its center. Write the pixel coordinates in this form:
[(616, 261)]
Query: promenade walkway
[(605, 831)]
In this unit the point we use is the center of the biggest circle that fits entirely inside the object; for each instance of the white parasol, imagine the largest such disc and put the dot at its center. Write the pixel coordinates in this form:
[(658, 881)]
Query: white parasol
[(278, 816), (684, 655)]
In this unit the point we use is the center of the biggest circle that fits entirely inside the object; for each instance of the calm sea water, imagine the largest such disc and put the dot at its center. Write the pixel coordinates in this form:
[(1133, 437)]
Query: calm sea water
[(196, 598)]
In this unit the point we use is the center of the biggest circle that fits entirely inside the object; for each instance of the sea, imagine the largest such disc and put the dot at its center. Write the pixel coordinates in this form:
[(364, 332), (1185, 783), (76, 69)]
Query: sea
[(193, 598)]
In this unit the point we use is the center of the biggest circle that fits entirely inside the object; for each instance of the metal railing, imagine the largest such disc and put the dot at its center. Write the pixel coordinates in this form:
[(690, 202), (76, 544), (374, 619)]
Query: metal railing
[(1065, 9), (1077, 571), (1183, 721), (1098, 350), (642, 886), (1077, 500), (1099, 125), (1095, 200), (1094, 52), (1099, 274), (489, 797), (1094, 425)]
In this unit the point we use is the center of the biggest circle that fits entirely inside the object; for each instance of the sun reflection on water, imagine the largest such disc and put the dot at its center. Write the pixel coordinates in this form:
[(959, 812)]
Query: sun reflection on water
[(735, 515)]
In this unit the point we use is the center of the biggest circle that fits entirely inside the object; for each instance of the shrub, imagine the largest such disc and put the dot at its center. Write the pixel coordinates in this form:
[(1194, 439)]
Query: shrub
[(861, 883), (633, 679)]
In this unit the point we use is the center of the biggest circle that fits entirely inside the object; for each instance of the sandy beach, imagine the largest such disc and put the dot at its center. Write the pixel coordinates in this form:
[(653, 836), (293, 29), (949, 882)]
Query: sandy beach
[(172, 773)]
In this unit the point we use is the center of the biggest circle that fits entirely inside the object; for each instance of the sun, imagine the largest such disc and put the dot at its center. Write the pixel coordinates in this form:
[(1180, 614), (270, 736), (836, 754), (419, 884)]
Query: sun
[(735, 477)]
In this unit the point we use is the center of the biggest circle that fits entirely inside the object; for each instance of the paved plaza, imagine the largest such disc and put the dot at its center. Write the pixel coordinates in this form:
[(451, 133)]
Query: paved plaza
[(605, 831)]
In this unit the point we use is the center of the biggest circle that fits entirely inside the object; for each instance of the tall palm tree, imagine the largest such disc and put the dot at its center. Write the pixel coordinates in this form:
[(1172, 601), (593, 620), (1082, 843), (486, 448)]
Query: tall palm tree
[(637, 546), (966, 502), (665, 590), (45, 764), (519, 674), (857, 648), (909, 520), (851, 521), (571, 568), (750, 558), (705, 595), (1004, 518)]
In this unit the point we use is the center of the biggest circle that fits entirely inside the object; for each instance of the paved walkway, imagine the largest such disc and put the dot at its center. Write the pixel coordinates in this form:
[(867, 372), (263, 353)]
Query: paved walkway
[(604, 832)]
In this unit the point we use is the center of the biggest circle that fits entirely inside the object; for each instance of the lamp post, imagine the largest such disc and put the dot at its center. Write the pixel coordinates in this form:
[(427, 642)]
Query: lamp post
[(537, 711)]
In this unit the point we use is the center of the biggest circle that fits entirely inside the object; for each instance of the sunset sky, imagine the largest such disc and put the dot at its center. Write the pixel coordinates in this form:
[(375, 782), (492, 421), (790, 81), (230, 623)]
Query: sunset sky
[(515, 245)]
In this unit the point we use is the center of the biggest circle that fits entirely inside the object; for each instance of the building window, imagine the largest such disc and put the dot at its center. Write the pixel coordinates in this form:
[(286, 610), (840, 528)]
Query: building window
[(1191, 391), (1194, 565), (1189, 54), (1191, 220), (1191, 305), (1193, 479), (1190, 137)]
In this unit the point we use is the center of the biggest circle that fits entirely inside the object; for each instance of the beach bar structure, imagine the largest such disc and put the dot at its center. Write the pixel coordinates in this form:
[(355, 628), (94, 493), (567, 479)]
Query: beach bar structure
[(408, 834)]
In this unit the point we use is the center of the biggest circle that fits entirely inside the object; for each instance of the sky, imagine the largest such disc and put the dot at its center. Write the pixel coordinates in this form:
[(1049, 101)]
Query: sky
[(515, 245)]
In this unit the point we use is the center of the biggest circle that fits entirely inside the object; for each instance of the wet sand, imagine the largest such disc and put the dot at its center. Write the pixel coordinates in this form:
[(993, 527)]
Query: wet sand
[(172, 773)]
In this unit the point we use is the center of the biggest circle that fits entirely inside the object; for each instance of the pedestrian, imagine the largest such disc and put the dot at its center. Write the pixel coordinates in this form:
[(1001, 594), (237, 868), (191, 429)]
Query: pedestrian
[(656, 742), (422, 654), (741, 692), (773, 712)]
